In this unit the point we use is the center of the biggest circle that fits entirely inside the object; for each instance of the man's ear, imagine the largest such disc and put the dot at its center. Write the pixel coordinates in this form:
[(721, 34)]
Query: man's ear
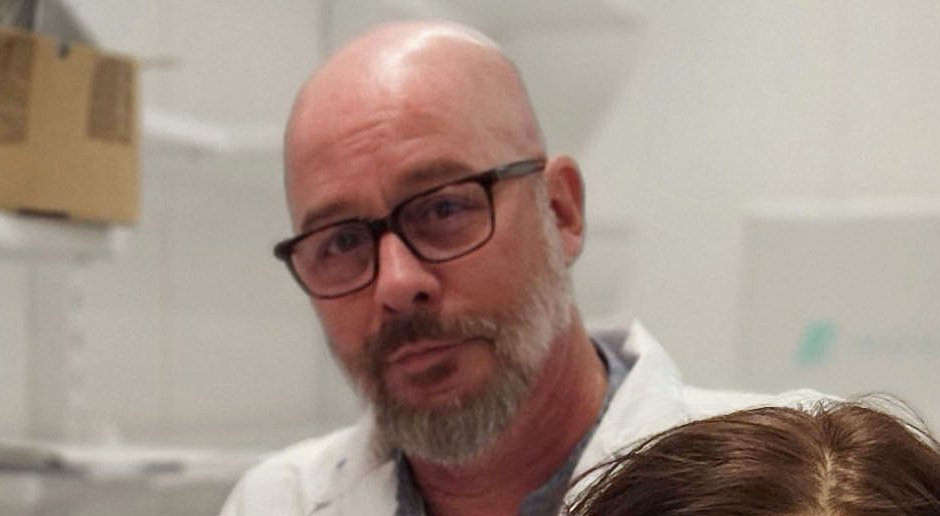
[(566, 198)]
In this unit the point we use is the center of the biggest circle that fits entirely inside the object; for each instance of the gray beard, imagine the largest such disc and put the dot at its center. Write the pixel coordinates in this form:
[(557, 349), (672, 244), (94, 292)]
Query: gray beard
[(465, 428), (458, 432)]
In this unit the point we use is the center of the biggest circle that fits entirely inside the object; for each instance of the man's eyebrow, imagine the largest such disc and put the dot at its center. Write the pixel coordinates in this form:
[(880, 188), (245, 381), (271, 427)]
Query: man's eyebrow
[(428, 175), (313, 217), (432, 172)]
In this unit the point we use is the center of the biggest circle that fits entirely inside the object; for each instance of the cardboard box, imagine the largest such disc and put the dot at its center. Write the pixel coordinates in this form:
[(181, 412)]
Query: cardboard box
[(68, 130)]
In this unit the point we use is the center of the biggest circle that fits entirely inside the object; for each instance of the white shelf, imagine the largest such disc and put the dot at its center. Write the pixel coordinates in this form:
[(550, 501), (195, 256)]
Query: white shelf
[(55, 250), (843, 209), (171, 131), (123, 462), (30, 238), (49, 478)]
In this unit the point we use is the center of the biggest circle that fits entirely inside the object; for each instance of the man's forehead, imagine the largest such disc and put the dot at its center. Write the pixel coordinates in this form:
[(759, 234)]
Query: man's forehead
[(335, 198)]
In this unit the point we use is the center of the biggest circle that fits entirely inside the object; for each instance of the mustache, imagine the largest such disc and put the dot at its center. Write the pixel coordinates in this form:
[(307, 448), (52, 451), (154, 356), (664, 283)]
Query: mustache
[(397, 332)]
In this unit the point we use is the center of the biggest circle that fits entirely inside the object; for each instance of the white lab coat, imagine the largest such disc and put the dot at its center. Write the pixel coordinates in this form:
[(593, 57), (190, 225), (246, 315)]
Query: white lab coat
[(343, 474)]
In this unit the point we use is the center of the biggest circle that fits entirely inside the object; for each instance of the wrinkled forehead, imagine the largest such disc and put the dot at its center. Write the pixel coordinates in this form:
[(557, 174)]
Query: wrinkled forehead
[(370, 128)]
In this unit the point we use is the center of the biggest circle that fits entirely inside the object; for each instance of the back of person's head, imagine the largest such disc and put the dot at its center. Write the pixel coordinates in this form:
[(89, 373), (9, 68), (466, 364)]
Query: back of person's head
[(844, 459)]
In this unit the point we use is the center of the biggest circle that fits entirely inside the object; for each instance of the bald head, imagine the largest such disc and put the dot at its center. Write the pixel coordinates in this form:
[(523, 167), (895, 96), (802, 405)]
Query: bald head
[(403, 80), (389, 52)]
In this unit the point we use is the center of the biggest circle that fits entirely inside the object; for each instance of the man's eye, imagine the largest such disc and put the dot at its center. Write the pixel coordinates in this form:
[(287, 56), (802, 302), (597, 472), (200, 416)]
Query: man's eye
[(443, 208), (343, 241)]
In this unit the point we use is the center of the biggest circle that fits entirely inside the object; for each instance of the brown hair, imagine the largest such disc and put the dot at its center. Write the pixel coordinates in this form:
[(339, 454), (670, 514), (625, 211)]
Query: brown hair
[(833, 458)]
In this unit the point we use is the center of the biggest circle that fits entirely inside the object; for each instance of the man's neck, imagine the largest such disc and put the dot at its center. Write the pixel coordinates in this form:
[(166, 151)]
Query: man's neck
[(563, 405)]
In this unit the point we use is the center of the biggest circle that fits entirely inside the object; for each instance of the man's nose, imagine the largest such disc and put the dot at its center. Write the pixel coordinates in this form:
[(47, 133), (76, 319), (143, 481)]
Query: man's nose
[(403, 282)]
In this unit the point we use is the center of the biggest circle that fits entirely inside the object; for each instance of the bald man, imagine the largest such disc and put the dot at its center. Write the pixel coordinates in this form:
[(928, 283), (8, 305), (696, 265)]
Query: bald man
[(433, 236)]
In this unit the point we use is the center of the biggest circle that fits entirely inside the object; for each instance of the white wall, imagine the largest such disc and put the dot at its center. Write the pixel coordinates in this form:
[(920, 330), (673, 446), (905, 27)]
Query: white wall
[(13, 331), (843, 296), (731, 101), (197, 328)]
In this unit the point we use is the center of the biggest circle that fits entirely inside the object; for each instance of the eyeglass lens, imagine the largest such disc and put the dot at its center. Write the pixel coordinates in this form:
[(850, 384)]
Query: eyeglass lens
[(437, 226)]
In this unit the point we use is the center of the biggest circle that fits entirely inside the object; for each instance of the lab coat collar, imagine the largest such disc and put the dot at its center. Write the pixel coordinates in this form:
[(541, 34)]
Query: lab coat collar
[(649, 400)]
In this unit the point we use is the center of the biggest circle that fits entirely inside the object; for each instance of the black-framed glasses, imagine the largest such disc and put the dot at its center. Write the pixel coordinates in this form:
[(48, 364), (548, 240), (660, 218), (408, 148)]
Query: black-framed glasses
[(439, 224)]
